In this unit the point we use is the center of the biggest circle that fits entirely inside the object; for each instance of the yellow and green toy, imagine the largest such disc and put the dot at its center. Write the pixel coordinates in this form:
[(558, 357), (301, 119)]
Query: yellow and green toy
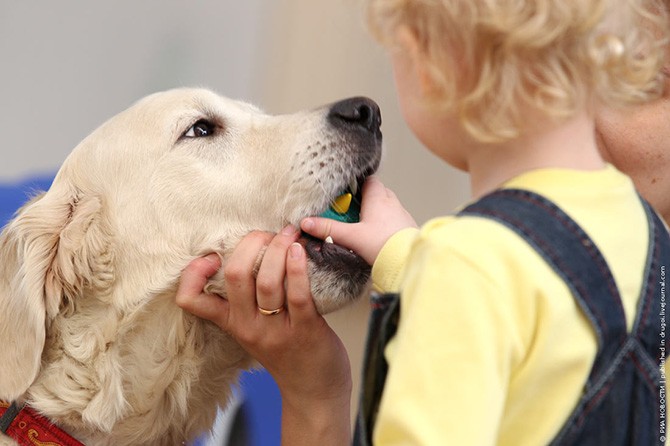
[(346, 208)]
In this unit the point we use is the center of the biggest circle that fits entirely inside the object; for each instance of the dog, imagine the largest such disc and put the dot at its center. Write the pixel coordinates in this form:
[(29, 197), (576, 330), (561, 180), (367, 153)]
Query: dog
[(92, 337)]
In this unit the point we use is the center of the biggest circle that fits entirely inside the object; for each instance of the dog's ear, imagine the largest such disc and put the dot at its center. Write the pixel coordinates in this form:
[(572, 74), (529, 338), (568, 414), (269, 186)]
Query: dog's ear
[(56, 248)]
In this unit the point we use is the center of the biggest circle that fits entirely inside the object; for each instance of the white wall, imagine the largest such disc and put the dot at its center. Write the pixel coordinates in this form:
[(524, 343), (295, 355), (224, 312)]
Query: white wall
[(68, 65)]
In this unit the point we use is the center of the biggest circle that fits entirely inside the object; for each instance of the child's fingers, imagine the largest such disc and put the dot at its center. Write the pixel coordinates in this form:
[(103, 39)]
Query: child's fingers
[(374, 187), (321, 228)]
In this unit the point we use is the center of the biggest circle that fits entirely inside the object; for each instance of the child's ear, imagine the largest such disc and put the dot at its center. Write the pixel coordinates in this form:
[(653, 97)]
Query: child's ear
[(408, 43)]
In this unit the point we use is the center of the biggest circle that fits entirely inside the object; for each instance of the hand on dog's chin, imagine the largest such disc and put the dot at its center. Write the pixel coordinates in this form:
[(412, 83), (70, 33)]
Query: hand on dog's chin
[(337, 276)]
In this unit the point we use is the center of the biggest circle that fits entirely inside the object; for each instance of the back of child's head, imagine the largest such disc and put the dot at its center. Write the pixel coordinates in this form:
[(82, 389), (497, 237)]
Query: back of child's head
[(492, 62)]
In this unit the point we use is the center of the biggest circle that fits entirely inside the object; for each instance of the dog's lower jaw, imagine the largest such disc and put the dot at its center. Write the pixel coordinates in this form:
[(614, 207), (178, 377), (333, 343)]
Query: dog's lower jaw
[(328, 299), (337, 276), (166, 392)]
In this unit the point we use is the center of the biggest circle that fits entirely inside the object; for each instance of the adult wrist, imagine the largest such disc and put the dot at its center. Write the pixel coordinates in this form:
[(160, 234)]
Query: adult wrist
[(325, 421)]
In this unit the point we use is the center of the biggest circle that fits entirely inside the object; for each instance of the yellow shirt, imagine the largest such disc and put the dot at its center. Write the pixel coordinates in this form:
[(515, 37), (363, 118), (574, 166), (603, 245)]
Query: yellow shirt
[(492, 348)]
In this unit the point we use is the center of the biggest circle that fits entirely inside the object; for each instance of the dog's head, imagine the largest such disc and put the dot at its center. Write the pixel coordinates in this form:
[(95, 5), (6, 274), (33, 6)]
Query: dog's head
[(179, 174)]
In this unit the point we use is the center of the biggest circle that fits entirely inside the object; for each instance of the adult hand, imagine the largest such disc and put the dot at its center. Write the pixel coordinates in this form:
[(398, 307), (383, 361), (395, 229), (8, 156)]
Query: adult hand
[(303, 354), (382, 215)]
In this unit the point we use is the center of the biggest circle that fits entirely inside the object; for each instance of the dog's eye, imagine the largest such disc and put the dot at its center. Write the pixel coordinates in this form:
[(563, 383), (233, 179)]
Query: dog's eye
[(200, 129)]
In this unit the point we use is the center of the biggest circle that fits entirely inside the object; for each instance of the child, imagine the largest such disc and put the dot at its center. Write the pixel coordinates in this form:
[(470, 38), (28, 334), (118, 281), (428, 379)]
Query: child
[(494, 345)]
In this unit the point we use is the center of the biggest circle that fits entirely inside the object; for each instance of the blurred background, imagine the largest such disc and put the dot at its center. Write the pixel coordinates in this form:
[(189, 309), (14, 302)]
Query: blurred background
[(67, 66)]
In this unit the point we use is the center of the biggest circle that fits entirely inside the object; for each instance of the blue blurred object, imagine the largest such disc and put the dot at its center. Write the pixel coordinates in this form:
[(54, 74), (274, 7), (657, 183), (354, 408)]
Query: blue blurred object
[(261, 408), (253, 417), (14, 195)]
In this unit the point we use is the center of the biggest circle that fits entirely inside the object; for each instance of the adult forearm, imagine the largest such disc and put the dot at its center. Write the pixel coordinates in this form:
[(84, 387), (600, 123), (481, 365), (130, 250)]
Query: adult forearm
[(326, 423)]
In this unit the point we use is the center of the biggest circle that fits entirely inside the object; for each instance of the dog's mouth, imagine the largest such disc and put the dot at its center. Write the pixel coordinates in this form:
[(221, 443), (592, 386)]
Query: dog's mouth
[(327, 254)]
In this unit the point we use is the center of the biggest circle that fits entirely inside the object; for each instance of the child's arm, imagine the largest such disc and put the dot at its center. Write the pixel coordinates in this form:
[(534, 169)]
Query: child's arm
[(451, 359)]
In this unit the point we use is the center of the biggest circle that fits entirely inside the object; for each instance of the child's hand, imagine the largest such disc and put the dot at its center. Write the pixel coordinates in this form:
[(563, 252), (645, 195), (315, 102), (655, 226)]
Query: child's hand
[(382, 215)]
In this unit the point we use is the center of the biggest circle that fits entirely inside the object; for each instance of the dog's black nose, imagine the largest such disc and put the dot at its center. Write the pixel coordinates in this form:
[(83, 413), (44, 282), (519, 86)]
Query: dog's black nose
[(358, 112)]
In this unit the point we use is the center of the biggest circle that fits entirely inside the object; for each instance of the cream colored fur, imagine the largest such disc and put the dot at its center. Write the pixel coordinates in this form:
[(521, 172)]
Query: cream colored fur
[(91, 335)]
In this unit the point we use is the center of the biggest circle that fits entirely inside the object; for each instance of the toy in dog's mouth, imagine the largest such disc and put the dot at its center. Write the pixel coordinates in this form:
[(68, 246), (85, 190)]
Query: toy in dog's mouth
[(346, 207)]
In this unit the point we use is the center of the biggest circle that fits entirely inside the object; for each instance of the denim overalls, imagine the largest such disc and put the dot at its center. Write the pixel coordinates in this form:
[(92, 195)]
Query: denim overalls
[(623, 401)]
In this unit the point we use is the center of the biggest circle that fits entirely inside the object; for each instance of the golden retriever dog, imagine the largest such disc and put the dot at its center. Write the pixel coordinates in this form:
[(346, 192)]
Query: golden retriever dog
[(91, 336)]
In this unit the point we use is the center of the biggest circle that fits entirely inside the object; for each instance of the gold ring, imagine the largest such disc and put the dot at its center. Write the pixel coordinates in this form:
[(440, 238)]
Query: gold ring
[(265, 312)]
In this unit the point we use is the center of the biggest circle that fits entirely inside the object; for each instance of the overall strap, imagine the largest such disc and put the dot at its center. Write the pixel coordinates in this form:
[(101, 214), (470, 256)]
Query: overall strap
[(382, 327), (649, 326), (571, 254)]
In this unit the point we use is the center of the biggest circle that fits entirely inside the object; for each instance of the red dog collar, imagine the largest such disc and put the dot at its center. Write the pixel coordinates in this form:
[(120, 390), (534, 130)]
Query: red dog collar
[(28, 428)]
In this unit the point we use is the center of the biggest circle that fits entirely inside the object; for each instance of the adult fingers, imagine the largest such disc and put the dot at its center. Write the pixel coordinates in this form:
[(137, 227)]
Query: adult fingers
[(299, 298), (271, 274), (190, 296), (239, 272)]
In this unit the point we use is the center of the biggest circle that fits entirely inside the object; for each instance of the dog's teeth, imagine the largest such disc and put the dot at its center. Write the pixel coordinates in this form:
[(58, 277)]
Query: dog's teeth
[(328, 239), (353, 185)]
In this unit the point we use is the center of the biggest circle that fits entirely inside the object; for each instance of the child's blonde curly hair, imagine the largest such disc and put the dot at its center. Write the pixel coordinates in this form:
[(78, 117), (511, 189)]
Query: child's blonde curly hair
[(554, 56)]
